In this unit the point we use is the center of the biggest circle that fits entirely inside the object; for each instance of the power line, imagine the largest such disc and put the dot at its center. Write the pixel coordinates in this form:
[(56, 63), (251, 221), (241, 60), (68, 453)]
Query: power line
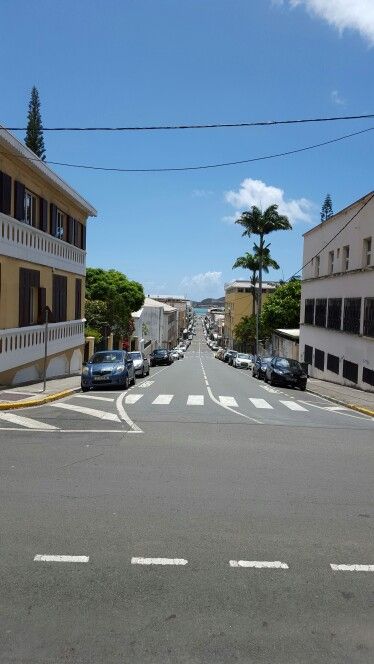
[(335, 236), (202, 166), (224, 125)]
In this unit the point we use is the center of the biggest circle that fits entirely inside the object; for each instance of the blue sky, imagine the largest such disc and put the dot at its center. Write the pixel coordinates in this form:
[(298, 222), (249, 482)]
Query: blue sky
[(141, 62)]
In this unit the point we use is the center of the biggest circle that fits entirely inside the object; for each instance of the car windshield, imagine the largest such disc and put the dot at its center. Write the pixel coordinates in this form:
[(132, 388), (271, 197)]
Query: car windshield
[(161, 351), (288, 364), (135, 356), (104, 358), (244, 356)]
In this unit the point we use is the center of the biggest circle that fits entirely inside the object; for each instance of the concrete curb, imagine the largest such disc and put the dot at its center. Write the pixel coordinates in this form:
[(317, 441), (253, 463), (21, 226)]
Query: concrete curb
[(28, 403), (352, 406)]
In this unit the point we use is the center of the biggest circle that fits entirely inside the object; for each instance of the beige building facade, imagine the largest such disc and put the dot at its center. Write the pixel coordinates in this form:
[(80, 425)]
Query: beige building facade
[(239, 303), (42, 267), (337, 297)]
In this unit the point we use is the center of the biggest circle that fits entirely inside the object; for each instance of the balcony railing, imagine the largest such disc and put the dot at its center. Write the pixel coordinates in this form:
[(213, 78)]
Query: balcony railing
[(19, 240), (21, 345)]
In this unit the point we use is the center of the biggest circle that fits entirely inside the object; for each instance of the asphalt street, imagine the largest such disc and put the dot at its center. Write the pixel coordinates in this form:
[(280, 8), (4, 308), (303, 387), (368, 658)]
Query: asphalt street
[(200, 517)]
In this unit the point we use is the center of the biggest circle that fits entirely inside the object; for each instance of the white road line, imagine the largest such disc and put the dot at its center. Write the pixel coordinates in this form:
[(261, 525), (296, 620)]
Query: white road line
[(158, 561), (292, 405), (163, 399), (93, 396), (259, 564), (260, 403), (61, 559), (268, 388), (345, 413), (100, 414), (124, 416), (26, 422), (133, 398), (352, 568), (228, 401), (147, 383), (335, 408), (195, 400)]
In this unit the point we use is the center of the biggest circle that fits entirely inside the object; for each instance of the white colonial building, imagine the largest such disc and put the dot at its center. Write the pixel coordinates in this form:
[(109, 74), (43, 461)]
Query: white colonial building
[(337, 299)]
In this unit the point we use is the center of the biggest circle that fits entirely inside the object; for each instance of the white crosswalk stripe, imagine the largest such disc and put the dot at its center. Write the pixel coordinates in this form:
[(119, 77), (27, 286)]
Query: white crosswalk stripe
[(26, 422), (195, 400), (133, 398), (228, 401), (94, 397), (100, 414), (292, 405), (146, 383), (260, 403), (163, 399)]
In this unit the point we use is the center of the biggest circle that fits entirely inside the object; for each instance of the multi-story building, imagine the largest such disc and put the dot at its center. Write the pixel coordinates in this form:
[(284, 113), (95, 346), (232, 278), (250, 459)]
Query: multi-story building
[(42, 267), (170, 334), (239, 303), (183, 307), (337, 298)]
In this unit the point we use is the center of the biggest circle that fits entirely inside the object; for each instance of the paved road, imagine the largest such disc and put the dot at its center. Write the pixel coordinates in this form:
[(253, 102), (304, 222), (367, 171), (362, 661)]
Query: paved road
[(200, 513)]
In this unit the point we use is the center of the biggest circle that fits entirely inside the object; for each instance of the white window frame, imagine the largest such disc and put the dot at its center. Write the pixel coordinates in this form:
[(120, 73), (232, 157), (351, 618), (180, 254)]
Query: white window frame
[(345, 261), (30, 208), (317, 266), (60, 218), (331, 262), (368, 244)]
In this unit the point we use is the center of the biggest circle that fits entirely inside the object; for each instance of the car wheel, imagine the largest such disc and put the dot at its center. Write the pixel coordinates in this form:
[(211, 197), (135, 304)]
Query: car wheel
[(126, 382), (85, 389), (265, 378), (303, 388), (133, 379), (148, 371), (143, 372), (272, 381)]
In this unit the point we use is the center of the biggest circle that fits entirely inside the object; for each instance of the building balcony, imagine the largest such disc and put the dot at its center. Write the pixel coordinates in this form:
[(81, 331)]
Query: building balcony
[(18, 240), (23, 345)]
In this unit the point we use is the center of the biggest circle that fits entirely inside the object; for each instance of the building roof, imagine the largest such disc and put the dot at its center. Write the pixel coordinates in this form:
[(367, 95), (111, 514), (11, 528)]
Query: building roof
[(323, 224), (18, 149), (289, 334), (244, 283), (171, 297)]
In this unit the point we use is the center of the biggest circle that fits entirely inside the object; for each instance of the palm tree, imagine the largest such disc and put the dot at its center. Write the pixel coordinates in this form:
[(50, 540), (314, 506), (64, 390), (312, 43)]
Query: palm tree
[(251, 262), (256, 222)]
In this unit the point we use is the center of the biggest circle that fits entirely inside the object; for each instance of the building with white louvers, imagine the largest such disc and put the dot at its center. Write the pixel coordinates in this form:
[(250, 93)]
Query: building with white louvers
[(337, 297)]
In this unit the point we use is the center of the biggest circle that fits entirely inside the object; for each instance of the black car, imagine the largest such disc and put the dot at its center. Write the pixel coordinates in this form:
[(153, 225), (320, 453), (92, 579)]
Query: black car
[(160, 356), (285, 371), (259, 366), (228, 354)]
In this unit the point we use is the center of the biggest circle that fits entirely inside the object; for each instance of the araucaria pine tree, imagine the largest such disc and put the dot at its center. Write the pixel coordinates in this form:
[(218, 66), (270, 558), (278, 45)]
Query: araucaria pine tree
[(34, 134), (326, 211)]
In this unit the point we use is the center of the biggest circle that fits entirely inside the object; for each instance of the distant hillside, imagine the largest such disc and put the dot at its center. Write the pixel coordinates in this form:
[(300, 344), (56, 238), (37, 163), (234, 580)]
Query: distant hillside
[(210, 302)]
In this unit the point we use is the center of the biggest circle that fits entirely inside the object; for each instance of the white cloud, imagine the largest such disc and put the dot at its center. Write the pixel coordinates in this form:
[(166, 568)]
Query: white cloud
[(341, 14), (337, 99), (207, 283), (255, 192)]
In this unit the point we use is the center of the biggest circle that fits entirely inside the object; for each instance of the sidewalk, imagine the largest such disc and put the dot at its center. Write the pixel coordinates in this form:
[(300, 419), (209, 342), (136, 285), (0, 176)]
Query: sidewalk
[(24, 396), (343, 395)]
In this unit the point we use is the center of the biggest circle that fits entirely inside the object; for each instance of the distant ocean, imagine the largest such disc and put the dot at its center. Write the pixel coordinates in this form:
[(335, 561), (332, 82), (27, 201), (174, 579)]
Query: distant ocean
[(200, 311)]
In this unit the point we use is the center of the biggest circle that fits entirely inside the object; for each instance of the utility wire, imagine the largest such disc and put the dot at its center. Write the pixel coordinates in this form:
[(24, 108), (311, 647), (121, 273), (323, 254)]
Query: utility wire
[(206, 166), (224, 125), (335, 236)]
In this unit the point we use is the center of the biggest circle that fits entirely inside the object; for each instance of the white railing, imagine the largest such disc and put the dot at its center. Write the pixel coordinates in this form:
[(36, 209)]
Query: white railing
[(21, 345), (19, 240)]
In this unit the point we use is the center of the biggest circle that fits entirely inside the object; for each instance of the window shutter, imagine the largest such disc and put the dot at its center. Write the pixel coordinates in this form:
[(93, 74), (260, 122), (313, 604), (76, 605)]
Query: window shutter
[(19, 201), (84, 237), (71, 230), (41, 305), (43, 215), (53, 219), (78, 299), (5, 192), (76, 233), (24, 297)]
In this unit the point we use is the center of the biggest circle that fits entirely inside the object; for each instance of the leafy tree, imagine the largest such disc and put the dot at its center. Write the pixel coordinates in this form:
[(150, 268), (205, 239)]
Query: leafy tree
[(262, 224), (111, 298), (251, 262), (245, 332), (282, 308), (326, 210), (34, 133)]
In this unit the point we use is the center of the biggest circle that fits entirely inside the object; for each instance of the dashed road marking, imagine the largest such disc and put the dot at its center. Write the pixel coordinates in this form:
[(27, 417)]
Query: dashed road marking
[(352, 568), (259, 564), (93, 396), (146, 383), (228, 401), (260, 403), (61, 559), (159, 561), (133, 398)]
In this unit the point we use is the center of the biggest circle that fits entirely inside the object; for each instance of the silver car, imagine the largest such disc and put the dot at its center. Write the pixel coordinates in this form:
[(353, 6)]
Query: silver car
[(243, 361), (141, 363)]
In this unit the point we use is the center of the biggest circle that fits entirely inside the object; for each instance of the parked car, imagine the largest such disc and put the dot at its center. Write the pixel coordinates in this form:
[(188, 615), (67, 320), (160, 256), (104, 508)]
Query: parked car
[(215, 347), (141, 363), (174, 354), (179, 351), (108, 367), (183, 347), (259, 366), (285, 371), (243, 361), (161, 356), (220, 353), (232, 357), (227, 354)]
